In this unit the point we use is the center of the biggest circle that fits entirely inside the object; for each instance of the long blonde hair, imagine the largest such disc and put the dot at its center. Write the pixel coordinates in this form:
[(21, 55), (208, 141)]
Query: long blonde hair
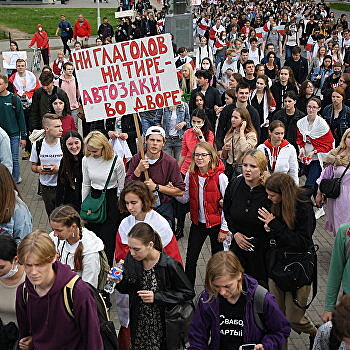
[(183, 85)]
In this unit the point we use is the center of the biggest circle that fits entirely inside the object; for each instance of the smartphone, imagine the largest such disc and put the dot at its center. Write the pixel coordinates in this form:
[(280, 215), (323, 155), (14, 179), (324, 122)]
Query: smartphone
[(248, 347), (47, 167)]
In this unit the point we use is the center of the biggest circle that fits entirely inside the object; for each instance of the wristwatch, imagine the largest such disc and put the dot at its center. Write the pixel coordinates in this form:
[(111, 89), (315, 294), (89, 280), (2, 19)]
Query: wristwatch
[(156, 188)]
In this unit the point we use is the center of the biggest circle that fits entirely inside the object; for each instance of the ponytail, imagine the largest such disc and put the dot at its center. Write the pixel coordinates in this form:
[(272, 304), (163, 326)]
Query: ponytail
[(145, 233), (78, 255)]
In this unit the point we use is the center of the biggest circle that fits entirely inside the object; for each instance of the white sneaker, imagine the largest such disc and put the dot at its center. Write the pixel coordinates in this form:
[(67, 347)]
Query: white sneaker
[(319, 212), (19, 180)]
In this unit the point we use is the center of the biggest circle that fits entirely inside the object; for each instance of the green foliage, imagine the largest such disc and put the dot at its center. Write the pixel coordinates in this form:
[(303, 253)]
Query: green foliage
[(26, 19), (340, 6)]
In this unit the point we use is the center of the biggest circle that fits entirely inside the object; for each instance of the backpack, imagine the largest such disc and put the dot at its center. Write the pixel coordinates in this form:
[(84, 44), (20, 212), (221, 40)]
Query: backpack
[(107, 329), (8, 335)]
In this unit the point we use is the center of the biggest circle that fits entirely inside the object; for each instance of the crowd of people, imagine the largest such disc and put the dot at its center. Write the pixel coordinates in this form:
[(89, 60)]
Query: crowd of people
[(256, 152)]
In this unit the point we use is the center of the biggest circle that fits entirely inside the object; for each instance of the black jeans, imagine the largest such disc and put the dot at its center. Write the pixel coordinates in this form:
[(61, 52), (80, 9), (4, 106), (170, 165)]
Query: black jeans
[(49, 197), (196, 239), (45, 56), (65, 44)]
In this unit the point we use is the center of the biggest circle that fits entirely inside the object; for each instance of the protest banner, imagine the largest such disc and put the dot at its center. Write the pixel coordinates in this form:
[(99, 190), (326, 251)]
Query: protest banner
[(127, 13), (127, 77), (10, 58)]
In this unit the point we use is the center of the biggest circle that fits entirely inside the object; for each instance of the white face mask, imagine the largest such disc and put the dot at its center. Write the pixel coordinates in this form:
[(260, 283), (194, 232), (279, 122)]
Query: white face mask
[(205, 66), (11, 273), (198, 125)]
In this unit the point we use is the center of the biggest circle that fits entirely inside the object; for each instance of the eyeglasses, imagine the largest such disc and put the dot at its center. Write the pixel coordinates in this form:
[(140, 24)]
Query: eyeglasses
[(201, 155), (312, 107)]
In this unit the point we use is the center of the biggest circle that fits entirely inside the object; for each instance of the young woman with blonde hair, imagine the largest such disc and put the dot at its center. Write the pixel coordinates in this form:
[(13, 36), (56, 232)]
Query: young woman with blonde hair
[(96, 165), (205, 188), (238, 140), (224, 317), (76, 245), (188, 81), (245, 195)]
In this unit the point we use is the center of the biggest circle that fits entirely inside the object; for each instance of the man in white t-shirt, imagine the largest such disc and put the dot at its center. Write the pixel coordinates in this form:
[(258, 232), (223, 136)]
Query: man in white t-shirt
[(46, 157)]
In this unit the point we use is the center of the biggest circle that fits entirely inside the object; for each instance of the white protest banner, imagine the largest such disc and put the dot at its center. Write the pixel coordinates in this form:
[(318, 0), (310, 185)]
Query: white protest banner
[(10, 58), (127, 77), (121, 14)]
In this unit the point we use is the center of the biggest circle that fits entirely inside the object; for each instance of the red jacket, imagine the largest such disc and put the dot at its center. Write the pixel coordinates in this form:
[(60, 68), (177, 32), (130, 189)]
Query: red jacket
[(211, 196), (41, 39), (82, 30)]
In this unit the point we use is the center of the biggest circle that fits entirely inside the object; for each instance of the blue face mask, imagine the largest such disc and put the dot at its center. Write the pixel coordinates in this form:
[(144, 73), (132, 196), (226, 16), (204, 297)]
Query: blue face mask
[(234, 59)]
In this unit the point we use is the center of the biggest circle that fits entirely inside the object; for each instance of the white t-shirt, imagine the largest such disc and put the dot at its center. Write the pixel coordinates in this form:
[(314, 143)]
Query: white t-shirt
[(48, 155)]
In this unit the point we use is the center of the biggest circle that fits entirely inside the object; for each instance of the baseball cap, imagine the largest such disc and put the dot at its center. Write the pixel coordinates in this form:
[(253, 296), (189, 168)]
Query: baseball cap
[(155, 130)]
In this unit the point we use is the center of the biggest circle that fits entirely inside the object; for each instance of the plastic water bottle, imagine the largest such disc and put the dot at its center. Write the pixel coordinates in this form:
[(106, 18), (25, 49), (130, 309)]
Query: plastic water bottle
[(227, 242), (116, 273)]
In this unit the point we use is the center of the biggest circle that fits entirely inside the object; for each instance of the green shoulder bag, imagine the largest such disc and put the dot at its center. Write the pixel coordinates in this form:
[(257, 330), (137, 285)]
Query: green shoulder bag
[(95, 209)]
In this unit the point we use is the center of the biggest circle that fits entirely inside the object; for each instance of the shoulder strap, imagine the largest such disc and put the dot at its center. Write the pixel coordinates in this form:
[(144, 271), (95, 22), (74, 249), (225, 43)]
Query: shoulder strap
[(345, 170), (347, 247), (38, 146), (110, 173), (14, 102), (268, 160), (220, 74), (258, 306), (235, 184), (68, 295), (59, 82), (24, 294)]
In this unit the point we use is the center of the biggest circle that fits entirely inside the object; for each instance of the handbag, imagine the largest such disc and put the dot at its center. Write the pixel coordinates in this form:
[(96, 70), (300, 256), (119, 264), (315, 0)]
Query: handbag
[(293, 270), (95, 209), (177, 322), (331, 187)]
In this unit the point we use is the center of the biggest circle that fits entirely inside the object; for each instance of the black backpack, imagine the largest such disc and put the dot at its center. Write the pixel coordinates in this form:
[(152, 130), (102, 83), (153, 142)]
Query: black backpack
[(107, 329)]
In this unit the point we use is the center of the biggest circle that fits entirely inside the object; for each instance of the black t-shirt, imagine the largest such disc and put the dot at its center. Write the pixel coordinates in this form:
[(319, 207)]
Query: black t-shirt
[(231, 323)]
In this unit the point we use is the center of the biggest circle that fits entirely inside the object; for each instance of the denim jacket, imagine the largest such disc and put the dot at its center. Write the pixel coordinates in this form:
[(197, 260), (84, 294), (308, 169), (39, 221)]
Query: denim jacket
[(20, 224), (344, 116), (324, 73), (183, 115)]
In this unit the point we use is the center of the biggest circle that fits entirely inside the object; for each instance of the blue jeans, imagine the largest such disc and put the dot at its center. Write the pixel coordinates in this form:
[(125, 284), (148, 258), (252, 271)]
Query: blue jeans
[(289, 51), (312, 173), (14, 142), (173, 146), (147, 123), (219, 59)]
